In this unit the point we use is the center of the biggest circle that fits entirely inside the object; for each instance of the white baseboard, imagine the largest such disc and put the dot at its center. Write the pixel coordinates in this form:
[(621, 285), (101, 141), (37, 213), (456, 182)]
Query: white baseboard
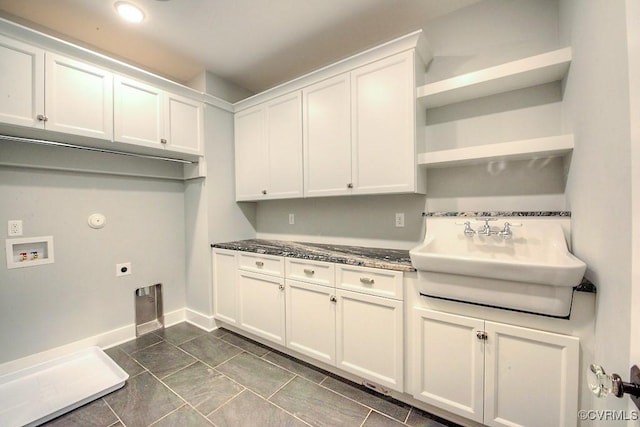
[(201, 320), (108, 339), (174, 317), (105, 340)]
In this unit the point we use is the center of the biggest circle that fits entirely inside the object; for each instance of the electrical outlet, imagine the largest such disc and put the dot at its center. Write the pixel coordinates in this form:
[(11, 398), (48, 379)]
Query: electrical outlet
[(123, 269), (14, 227), (400, 219), (292, 219)]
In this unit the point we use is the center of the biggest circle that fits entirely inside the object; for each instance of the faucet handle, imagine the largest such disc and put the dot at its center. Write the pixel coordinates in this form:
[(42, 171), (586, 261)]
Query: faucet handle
[(506, 233), (468, 231)]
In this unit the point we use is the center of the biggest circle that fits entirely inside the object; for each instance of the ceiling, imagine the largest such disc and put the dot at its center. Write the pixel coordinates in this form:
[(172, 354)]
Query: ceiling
[(255, 44)]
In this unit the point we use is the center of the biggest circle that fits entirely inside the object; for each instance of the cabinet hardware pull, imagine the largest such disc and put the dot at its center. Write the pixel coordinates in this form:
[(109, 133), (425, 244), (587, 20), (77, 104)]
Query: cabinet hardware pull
[(281, 287), (42, 118), (482, 335), (163, 141), (309, 271), (333, 298), (264, 191), (259, 264), (350, 185), (367, 281)]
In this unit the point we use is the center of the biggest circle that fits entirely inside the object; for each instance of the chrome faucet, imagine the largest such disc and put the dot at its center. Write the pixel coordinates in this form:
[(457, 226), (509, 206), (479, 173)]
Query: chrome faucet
[(506, 233), (468, 231), (486, 228)]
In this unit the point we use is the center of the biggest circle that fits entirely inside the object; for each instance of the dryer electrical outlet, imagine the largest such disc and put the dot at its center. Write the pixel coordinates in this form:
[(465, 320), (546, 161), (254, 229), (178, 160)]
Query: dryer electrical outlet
[(123, 269)]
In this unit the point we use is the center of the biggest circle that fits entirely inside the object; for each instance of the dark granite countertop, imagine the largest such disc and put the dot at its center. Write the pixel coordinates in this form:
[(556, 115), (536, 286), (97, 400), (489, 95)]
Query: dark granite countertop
[(389, 259)]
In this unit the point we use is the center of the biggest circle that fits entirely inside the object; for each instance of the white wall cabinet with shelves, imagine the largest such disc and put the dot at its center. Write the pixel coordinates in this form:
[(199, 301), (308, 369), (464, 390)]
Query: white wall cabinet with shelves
[(491, 373), (525, 73), (268, 149)]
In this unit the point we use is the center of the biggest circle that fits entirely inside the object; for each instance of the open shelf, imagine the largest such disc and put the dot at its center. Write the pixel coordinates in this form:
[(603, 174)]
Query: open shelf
[(532, 71), (553, 146)]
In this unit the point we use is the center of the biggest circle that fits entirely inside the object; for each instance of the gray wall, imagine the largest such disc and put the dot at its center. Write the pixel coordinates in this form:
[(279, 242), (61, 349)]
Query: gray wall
[(485, 34), (78, 296), (599, 185)]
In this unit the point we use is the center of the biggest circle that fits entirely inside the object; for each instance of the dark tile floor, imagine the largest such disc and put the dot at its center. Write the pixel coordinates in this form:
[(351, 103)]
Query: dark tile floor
[(184, 376)]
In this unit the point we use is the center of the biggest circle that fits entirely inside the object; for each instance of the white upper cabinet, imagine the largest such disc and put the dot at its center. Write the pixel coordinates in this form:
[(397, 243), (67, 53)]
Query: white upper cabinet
[(269, 149), (358, 126), (138, 112), (183, 125), (22, 83), (70, 97), (78, 98), (251, 153), (383, 126), (327, 137), (146, 115), (43, 90)]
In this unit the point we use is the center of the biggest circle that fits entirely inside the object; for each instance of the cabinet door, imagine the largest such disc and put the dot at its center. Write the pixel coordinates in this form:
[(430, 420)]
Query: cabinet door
[(369, 332), (225, 289), (138, 112), (251, 154), (78, 98), (284, 141), (383, 126), (311, 320), (448, 362), (262, 304), (327, 137), (531, 377), (183, 124), (22, 83)]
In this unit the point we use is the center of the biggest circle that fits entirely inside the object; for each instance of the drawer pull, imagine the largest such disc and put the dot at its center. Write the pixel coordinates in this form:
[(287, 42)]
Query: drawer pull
[(309, 272), (281, 287), (366, 281), (333, 298), (259, 264)]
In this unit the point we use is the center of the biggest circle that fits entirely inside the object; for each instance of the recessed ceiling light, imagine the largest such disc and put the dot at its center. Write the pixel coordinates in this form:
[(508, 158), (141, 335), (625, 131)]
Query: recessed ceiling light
[(129, 11)]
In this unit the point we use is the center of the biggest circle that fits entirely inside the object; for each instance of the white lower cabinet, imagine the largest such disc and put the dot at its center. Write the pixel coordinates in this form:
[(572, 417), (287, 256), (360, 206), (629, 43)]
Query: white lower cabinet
[(225, 289), (493, 373), (369, 332), (311, 320), (261, 310), (302, 305)]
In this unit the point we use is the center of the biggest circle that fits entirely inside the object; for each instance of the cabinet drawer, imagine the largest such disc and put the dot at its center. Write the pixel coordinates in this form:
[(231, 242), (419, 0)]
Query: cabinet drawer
[(320, 273), (266, 264), (373, 281)]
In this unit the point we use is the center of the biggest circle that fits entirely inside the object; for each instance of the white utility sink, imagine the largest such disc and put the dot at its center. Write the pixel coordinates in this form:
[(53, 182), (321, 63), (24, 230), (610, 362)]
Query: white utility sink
[(531, 270)]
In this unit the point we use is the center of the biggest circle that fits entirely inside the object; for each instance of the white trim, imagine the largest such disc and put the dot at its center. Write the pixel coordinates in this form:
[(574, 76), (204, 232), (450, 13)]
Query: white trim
[(174, 317), (413, 40), (201, 320), (105, 340)]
